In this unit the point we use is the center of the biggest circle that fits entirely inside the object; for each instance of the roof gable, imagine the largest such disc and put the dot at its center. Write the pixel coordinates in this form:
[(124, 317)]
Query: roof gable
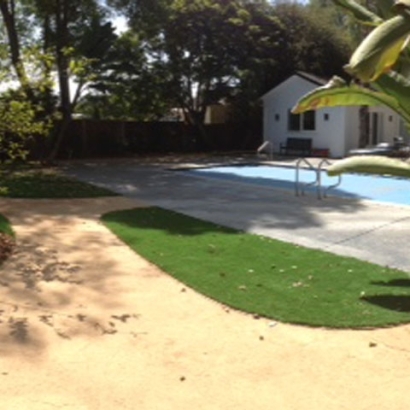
[(312, 79)]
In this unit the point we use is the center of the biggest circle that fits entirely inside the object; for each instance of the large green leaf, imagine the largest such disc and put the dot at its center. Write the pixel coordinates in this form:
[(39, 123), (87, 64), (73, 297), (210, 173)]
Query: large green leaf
[(379, 51), (338, 93), (371, 165), (385, 8), (398, 87), (359, 12), (402, 6)]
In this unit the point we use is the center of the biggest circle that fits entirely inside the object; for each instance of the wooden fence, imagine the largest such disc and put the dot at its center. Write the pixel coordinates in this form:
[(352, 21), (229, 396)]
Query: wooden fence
[(96, 138)]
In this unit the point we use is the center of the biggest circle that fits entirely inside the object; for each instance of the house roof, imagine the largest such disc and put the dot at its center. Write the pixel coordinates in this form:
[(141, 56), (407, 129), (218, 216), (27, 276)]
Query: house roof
[(312, 78), (318, 81)]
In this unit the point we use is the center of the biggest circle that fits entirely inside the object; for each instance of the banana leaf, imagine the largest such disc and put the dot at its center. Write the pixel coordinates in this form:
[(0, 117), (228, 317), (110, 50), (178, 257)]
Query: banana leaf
[(370, 165), (380, 50), (338, 93), (359, 12), (398, 87)]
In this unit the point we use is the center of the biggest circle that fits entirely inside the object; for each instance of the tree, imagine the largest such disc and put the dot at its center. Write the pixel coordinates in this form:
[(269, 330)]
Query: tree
[(125, 86), (333, 16), (70, 38), (281, 50), (194, 53), (321, 50), (20, 123), (199, 49), (10, 14), (79, 37)]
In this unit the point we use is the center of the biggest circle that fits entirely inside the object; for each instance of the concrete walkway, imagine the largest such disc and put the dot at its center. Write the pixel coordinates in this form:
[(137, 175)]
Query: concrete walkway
[(362, 229)]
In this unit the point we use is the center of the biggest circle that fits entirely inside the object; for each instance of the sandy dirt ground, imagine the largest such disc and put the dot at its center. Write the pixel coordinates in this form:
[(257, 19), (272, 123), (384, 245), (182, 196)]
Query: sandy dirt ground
[(85, 323)]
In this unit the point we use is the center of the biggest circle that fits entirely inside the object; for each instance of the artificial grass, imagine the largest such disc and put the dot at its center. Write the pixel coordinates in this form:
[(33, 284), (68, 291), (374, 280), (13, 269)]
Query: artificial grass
[(36, 183), (264, 276)]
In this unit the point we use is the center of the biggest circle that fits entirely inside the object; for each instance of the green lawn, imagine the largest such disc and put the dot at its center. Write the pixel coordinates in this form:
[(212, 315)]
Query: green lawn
[(42, 183), (264, 276)]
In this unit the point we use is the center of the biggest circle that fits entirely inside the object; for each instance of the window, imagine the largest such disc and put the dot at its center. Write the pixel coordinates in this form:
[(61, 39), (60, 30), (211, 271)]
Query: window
[(294, 122), (309, 122), (305, 121)]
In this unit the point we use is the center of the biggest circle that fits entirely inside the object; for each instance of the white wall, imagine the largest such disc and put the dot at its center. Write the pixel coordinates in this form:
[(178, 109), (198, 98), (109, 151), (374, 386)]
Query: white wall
[(277, 103), (389, 123), (352, 128), (339, 133), (388, 126), (329, 134)]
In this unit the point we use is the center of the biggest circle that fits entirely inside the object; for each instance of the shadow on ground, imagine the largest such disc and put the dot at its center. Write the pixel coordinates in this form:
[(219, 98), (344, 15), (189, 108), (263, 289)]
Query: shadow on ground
[(220, 201), (61, 281)]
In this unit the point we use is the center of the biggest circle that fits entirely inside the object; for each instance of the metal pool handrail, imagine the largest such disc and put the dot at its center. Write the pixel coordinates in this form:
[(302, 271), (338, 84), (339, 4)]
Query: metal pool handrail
[(297, 182), (320, 192), (323, 192), (264, 146)]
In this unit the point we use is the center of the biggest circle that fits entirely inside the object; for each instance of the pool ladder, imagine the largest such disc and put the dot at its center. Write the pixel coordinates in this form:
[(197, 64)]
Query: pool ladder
[(320, 191)]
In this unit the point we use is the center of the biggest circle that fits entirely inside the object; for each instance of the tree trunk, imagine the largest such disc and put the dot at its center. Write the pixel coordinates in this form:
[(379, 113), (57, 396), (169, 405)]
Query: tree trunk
[(7, 9), (63, 75), (57, 138)]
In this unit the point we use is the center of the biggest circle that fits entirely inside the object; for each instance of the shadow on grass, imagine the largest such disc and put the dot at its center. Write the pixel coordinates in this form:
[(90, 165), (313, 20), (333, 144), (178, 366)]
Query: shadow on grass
[(397, 303), (400, 283), (164, 220)]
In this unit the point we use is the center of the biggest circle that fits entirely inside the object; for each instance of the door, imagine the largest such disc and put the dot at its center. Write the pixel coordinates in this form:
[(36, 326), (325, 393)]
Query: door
[(375, 127)]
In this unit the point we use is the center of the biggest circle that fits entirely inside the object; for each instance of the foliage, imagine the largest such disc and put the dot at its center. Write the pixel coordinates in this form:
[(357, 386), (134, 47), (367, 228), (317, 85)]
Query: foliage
[(201, 52), (371, 165), (381, 61), (263, 276), (321, 50), (70, 38), (125, 87), (184, 54), (333, 16), (20, 123)]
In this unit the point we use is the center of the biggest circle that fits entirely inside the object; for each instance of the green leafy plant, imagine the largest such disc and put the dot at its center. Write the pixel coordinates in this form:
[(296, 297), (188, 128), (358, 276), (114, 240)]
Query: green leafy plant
[(20, 122), (381, 68)]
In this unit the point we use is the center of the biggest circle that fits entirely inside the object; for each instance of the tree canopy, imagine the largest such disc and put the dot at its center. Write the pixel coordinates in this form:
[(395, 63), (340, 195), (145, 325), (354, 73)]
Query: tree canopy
[(184, 54)]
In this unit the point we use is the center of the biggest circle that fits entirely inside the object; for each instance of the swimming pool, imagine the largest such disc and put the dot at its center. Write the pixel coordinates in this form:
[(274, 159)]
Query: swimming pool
[(377, 188)]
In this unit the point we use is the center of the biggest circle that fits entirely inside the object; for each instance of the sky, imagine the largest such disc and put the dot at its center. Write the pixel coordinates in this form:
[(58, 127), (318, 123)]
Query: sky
[(120, 24)]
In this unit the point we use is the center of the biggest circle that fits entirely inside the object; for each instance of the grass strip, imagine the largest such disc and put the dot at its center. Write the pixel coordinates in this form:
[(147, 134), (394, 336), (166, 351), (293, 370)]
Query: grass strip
[(264, 276), (32, 183)]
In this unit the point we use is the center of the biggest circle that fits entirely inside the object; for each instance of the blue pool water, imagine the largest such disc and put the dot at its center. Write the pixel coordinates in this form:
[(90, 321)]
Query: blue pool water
[(377, 188)]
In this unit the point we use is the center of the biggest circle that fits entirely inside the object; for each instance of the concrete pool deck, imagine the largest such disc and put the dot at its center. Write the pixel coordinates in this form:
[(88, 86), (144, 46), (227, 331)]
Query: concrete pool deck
[(353, 227)]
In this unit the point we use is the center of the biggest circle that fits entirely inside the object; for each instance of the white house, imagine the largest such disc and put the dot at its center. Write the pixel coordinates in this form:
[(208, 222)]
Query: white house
[(333, 130)]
